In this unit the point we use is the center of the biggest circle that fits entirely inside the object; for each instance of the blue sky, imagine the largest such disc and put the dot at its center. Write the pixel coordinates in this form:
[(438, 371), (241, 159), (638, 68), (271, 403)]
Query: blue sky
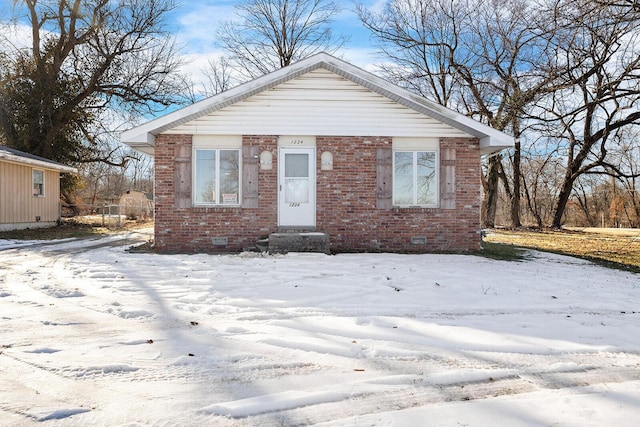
[(195, 23)]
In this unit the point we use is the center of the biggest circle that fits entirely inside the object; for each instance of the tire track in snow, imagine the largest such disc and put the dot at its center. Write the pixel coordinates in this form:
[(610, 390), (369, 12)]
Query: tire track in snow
[(368, 377), (367, 398), (44, 391), (436, 378), (58, 260)]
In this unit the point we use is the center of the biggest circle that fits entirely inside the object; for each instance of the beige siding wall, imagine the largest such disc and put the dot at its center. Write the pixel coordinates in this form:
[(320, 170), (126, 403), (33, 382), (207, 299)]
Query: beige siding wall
[(318, 103), (17, 203)]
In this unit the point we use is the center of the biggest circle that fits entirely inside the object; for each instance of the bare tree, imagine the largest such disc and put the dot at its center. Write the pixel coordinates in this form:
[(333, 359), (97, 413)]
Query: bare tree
[(626, 156), (487, 59), (593, 197), (588, 117), (564, 71), (421, 39), (632, 189), (219, 76), (630, 5), (271, 34), (541, 175), (138, 172), (86, 59)]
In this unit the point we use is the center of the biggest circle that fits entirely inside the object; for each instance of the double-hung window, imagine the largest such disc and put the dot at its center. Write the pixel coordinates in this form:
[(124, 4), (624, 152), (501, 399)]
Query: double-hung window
[(217, 176), (38, 182), (415, 178)]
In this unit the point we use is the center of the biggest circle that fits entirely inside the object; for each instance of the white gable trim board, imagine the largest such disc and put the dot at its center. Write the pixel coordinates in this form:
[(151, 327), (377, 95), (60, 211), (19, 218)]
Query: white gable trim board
[(320, 96)]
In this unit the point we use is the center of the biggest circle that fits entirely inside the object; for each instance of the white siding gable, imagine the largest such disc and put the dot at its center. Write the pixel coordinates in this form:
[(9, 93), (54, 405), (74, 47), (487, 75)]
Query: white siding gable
[(318, 103)]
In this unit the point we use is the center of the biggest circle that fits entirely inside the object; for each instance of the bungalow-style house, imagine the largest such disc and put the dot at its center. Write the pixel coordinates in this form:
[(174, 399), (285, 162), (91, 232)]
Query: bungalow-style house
[(322, 148), (29, 190)]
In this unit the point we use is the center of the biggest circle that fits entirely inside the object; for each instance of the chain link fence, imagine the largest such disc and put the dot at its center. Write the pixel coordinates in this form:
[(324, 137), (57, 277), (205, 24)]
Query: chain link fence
[(130, 207)]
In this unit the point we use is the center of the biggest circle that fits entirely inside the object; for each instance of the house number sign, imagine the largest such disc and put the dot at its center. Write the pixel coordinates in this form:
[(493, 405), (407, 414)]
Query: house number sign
[(296, 141), (294, 205)]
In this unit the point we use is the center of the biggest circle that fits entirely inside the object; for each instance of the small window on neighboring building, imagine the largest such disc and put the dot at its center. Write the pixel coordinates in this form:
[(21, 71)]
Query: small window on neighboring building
[(415, 180), (38, 182), (217, 177)]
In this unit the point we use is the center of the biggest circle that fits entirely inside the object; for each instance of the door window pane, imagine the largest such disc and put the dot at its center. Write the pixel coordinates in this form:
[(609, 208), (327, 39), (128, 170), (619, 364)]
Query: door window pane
[(296, 190), (296, 181), (296, 165)]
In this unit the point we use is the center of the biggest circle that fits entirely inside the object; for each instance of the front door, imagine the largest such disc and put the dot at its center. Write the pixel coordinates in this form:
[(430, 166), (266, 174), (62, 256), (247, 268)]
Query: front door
[(297, 187)]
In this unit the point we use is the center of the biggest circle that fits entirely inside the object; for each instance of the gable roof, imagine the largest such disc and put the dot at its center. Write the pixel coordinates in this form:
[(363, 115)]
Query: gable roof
[(142, 137), (17, 156)]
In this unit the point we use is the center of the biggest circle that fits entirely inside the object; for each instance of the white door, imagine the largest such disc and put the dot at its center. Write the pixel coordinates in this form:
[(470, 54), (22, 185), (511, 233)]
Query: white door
[(297, 187)]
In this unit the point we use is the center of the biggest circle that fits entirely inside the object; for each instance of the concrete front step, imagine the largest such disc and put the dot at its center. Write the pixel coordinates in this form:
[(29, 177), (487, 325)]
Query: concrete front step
[(298, 242)]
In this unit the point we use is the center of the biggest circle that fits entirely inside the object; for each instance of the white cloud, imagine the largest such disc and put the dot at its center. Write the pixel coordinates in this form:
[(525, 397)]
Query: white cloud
[(198, 24), (195, 65), (14, 37), (363, 57)]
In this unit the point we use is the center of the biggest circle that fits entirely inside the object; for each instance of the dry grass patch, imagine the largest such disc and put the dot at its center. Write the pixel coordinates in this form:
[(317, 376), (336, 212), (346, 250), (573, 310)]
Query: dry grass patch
[(72, 227), (612, 248)]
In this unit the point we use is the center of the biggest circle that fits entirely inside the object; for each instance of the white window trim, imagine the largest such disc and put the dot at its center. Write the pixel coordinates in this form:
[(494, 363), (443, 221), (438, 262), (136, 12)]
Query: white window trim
[(415, 174), (217, 142), (217, 189), (33, 182), (416, 144)]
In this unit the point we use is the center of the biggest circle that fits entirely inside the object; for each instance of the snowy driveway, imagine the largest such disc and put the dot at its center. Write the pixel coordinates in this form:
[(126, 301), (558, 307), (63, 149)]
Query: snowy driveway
[(92, 335)]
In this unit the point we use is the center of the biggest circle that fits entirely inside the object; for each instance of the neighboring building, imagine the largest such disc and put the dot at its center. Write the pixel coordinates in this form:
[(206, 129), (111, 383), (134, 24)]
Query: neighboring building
[(323, 146), (29, 190), (135, 204)]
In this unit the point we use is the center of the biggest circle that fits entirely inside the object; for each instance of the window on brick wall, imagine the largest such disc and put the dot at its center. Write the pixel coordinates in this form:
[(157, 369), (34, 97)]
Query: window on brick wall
[(216, 177), (415, 178)]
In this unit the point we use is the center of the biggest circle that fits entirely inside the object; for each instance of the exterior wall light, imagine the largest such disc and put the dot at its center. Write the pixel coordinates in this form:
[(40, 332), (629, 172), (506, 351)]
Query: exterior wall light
[(266, 160), (326, 161)]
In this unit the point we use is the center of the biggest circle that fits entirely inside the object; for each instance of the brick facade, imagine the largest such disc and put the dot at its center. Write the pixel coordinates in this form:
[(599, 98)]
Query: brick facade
[(346, 202)]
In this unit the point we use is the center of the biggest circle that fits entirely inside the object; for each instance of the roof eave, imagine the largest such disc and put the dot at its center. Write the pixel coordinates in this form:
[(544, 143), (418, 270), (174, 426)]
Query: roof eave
[(491, 140), (38, 163), (491, 146), (142, 138), (139, 140)]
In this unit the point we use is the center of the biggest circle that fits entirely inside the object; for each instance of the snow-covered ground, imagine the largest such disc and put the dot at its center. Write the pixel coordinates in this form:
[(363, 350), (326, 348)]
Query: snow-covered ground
[(93, 335)]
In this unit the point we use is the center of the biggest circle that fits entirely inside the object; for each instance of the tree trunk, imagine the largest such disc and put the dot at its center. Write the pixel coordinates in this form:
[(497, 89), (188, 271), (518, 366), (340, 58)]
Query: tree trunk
[(515, 196), (530, 204), (561, 205), (69, 202), (490, 195)]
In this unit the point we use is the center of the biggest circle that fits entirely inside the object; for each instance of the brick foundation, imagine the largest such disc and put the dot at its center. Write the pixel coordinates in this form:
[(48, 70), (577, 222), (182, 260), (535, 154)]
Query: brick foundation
[(346, 203)]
